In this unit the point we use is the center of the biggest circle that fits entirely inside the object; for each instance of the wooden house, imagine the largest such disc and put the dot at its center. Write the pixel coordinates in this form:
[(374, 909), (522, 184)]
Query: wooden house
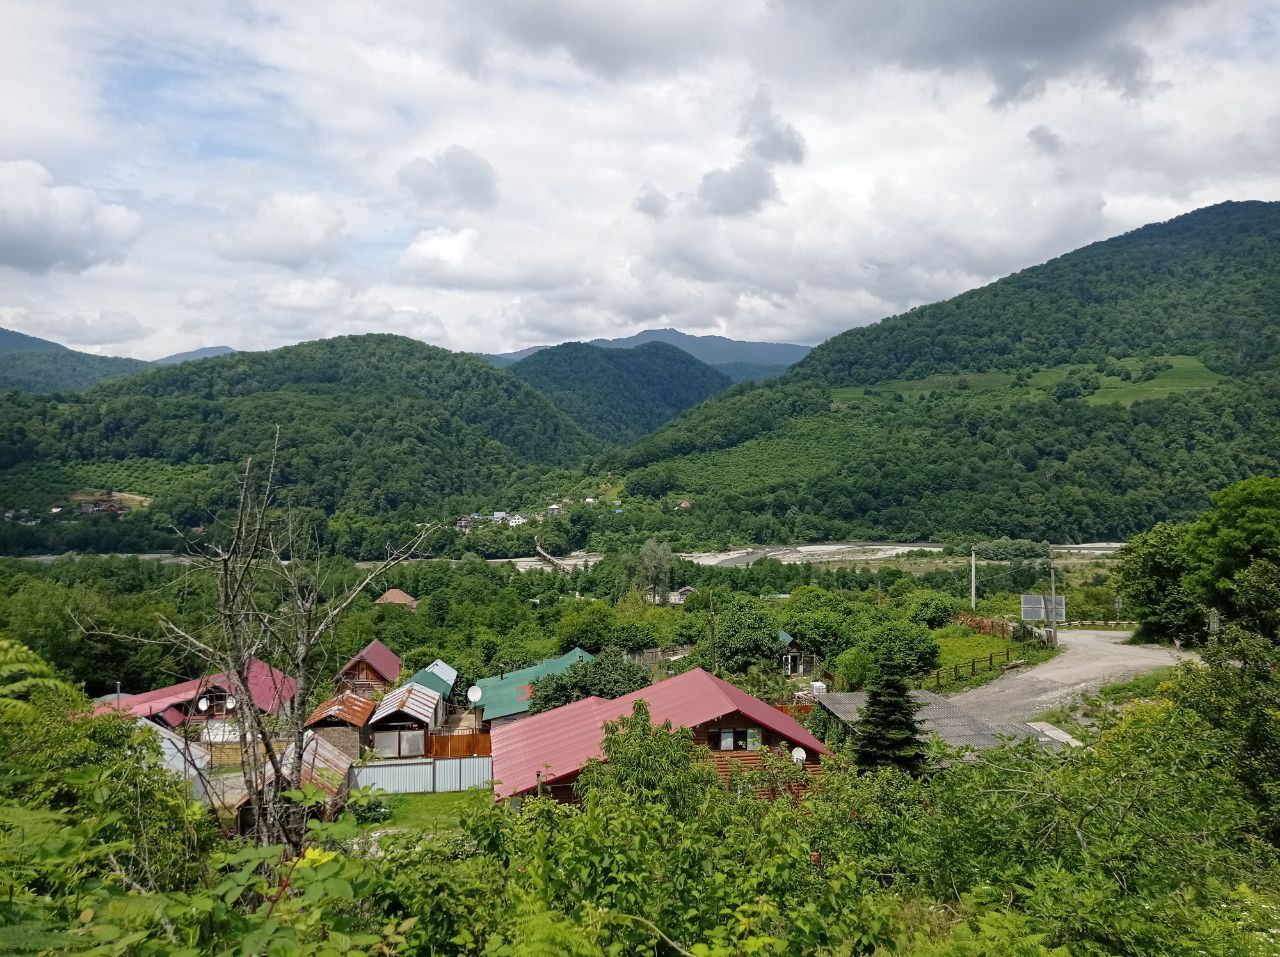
[(547, 751), (341, 721), (375, 668)]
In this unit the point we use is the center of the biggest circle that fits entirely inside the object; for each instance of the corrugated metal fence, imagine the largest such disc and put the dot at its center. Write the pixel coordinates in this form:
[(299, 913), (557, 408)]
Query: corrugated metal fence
[(424, 775)]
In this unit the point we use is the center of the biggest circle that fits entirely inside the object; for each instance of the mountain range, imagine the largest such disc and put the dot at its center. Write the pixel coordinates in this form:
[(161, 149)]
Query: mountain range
[(738, 359), (1088, 397), (31, 364)]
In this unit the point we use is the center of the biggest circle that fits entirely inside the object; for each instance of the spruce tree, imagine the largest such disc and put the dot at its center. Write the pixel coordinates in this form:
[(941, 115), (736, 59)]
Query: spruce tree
[(887, 733)]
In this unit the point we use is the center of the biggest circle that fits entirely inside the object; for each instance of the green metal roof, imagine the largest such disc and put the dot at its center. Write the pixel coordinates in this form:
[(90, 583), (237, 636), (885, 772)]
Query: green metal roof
[(784, 639), (433, 681), (503, 696)]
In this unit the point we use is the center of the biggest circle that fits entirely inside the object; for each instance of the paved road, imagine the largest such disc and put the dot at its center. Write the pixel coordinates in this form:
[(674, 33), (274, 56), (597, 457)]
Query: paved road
[(1089, 660)]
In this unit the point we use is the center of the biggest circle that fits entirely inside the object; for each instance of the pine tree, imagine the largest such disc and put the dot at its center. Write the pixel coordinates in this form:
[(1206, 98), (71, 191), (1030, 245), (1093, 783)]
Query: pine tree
[(887, 733)]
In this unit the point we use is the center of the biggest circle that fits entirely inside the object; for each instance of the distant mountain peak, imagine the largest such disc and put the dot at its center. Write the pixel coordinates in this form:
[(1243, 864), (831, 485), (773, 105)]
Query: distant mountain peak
[(205, 352)]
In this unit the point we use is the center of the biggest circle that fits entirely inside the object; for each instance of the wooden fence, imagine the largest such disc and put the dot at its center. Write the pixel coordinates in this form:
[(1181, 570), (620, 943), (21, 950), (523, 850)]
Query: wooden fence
[(997, 660), (459, 745), (796, 711)]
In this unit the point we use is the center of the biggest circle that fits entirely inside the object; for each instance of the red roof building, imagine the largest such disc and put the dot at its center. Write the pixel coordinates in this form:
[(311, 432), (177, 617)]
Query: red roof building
[(551, 748), (209, 698), (394, 596), (374, 668)]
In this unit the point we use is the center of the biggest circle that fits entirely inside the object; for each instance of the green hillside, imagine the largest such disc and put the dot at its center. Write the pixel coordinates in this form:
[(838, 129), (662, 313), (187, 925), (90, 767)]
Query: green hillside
[(369, 426), (31, 364), (620, 394), (1086, 398), (1206, 284)]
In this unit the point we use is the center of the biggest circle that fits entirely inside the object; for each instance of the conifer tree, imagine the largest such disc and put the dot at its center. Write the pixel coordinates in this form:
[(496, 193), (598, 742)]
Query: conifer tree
[(887, 733)]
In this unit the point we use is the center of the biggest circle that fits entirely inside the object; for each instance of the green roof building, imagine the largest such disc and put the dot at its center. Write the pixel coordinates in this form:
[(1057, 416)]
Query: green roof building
[(507, 696)]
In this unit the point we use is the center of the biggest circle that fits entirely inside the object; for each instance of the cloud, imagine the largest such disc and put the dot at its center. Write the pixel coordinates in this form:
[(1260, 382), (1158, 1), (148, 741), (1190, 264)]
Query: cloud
[(106, 328), (769, 138), (741, 189), (1020, 46), (458, 178), (651, 201), (1045, 140), (286, 229), (452, 259), (45, 227), (306, 295)]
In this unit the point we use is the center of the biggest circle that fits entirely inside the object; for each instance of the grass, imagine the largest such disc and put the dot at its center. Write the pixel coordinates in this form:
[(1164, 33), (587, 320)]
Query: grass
[(431, 813), (960, 645)]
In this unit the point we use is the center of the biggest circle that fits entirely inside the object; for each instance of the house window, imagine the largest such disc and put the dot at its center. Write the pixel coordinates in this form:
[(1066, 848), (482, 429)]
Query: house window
[(734, 739), (400, 744)]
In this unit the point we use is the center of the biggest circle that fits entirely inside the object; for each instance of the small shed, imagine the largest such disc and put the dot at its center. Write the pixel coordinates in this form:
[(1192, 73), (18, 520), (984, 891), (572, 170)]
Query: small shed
[(403, 719), (374, 668), (437, 676), (341, 720)]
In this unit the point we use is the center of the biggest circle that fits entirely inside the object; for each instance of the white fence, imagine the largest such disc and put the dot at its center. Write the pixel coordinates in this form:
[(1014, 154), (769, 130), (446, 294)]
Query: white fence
[(424, 775)]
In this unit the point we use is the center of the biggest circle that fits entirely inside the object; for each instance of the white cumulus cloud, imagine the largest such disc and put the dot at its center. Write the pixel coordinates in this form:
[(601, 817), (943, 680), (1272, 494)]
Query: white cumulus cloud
[(286, 229)]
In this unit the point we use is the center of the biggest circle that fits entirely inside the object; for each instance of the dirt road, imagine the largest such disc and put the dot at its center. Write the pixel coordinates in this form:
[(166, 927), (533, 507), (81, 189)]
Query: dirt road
[(1089, 660)]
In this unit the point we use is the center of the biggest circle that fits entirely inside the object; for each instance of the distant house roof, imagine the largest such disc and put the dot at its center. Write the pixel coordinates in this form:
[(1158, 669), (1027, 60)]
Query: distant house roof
[(437, 676), (504, 695), (415, 700), (378, 656), (559, 743), (269, 690), (394, 596), (954, 725), (347, 707)]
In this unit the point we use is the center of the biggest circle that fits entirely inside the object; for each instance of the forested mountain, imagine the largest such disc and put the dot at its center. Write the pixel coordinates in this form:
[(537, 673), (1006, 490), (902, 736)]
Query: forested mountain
[(1006, 410), (620, 394), (31, 364), (205, 352), (1204, 284), (738, 359), (369, 425)]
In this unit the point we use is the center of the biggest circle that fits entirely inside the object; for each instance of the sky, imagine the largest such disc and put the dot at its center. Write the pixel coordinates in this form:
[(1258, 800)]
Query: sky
[(487, 176)]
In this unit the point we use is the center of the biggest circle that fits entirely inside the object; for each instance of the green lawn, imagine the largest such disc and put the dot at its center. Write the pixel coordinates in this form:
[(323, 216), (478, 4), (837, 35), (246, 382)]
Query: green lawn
[(433, 813), (959, 645), (1187, 373)]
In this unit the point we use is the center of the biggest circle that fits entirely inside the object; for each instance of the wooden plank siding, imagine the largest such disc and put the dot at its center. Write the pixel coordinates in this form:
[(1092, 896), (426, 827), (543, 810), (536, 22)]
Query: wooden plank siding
[(363, 679)]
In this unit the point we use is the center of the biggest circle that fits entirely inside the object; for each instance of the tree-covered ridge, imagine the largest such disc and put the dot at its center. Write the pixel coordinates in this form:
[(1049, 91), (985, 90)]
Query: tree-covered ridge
[(371, 424), (1204, 284), (620, 394), (785, 463), (32, 364)]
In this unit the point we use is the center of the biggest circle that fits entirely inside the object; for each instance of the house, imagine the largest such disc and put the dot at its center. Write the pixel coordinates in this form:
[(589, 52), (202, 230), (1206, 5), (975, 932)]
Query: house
[(685, 503), (588, 501), (394, 596), (514, 521), (678, 596), (794, 660), (209, 703), (374, 668), (403, 719), (466, 522), (341, 721), (937, 715), (499, 516), (180, 756), (437, 676), (555, 510), (505, 697), (549, 750)]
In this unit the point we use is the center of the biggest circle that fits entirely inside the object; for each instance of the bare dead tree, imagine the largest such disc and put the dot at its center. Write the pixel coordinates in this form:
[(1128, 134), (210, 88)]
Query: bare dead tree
[(275, 606)]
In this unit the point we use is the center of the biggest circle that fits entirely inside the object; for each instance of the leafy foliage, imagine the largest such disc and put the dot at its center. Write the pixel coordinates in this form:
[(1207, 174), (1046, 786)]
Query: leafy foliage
[(609, 675)]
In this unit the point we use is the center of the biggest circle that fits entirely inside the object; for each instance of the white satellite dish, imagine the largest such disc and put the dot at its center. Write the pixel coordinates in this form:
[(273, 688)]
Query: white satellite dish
[(203, 704), (473, 694), (798, 755), (231, 702)]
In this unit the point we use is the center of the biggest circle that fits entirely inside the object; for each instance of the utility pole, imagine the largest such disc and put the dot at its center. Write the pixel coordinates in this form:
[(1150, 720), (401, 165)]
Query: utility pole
[(1053, 597), (973, 577), (711, 623)]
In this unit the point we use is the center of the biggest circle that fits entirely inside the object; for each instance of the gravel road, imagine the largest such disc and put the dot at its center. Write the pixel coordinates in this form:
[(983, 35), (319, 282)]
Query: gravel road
[(1089, 660)]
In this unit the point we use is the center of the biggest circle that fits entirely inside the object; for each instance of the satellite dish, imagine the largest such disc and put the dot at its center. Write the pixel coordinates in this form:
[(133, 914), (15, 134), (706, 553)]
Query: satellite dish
[(203, 704), (231, 702), (798, 755), (473, 694)]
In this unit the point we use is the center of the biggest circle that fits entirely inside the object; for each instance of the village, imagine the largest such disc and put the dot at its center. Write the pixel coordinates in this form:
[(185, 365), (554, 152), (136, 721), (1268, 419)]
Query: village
[(386, 730)]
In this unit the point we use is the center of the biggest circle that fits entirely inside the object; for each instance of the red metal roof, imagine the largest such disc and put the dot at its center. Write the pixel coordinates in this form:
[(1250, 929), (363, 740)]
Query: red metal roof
[(269, 690), (378, 656), (346, 706), (560, 742)]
